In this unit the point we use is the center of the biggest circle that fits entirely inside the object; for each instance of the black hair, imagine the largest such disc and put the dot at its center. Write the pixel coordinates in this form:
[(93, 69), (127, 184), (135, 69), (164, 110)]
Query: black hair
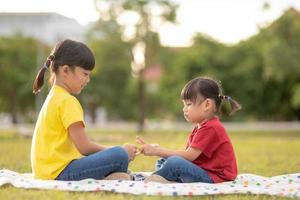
[(66, 52), (206, 87)]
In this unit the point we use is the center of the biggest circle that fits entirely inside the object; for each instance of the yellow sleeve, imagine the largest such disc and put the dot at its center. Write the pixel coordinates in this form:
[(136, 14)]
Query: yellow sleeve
[(71, 112)]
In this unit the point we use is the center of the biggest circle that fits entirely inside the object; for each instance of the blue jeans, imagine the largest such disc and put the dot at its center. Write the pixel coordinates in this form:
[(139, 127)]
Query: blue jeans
[(97, 165), (176, 168)]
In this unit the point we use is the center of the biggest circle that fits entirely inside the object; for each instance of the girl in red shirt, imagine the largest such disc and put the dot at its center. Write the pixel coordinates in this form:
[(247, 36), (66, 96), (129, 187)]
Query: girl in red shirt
[(209, 156)]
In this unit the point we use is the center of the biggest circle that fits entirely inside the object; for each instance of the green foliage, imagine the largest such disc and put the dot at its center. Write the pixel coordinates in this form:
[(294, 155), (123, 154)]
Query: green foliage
[(261, 73), (204, 58), (296, 97), (124, 94), (277, 48), (257, 72), (110, 81), (18, 61)]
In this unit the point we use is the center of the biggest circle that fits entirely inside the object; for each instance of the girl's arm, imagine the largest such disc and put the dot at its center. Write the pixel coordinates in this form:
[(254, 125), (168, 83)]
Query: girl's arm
[(81, 141), (156, 150), (86, 147)]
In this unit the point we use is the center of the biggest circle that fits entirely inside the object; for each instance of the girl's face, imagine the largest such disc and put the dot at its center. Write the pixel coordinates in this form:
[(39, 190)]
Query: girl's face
[(75, 79), (199, 111), (193, 112)]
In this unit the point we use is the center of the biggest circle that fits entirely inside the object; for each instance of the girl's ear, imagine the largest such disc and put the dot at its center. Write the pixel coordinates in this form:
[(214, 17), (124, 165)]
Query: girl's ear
[(65, 69), (209, 104)]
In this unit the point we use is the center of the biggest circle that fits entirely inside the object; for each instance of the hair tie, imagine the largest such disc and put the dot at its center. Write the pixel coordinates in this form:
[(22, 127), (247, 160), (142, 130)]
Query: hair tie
[(222, 97), (51, 57), (46, 67), (227, 97)]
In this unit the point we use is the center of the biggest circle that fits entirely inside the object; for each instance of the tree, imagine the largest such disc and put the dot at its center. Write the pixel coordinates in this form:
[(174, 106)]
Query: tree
[(144, 33), (276, 47), (262, 72), (205, 58), (110, 83), (17, 71)]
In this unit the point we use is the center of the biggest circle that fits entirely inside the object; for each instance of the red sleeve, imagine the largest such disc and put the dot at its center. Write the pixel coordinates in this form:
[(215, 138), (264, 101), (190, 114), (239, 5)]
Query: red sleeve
[(207, 140)]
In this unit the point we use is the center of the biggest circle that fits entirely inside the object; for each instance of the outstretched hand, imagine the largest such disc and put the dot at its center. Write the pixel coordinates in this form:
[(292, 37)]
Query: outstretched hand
[(147, 149), (131, 150)]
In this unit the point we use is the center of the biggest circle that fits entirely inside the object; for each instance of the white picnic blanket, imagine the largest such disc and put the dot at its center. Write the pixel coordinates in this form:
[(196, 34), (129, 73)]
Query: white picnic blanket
[(285, 185)]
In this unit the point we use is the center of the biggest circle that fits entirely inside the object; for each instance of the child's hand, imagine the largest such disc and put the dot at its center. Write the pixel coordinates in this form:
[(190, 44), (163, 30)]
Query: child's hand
[(131, 150), (147, 149)]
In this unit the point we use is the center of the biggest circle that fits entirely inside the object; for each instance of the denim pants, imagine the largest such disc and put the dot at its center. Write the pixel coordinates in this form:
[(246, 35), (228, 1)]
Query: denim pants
[(176, 168), (97, 165)]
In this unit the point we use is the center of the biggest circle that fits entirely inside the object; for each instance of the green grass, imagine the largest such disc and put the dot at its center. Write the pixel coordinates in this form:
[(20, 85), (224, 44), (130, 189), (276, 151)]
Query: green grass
[(262, 153)]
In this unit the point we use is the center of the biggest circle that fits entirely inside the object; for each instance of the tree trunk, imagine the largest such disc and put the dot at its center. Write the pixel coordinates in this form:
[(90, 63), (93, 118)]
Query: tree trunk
[(13, 108), (142, 102), (93, 114)]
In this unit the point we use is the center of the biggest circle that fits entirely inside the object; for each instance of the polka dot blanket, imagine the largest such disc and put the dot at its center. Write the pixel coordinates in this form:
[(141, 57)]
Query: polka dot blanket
[(285, 185)]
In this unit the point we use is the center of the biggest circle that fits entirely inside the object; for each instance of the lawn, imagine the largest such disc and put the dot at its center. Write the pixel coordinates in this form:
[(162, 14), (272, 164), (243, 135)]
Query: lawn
[(262, 153)]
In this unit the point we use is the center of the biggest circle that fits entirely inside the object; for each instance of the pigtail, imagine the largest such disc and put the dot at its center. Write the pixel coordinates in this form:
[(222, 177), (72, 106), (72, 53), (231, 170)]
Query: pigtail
[(228, 105), (39, 79)]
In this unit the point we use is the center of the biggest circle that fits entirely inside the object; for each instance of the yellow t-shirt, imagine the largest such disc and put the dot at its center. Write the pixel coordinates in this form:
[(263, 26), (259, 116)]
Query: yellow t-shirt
[(52, 148)]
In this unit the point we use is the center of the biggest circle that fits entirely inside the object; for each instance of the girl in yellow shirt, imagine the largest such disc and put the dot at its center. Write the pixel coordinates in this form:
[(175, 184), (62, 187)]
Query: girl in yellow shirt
[(60, 148)]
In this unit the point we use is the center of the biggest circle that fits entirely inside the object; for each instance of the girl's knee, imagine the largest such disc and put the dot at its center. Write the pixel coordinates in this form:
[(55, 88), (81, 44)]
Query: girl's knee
[(174, 161), (119, 153), (170, 167)]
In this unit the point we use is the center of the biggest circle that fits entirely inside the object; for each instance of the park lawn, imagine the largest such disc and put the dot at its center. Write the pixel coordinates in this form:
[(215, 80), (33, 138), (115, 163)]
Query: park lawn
[(262, 153)]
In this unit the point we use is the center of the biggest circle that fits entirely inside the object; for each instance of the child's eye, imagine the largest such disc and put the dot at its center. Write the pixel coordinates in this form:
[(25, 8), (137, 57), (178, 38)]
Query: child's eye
[(187, 104)]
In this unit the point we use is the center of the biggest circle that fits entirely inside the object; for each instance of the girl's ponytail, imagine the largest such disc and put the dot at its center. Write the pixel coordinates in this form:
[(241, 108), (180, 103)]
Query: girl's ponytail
[(39, 79), (228, 105)]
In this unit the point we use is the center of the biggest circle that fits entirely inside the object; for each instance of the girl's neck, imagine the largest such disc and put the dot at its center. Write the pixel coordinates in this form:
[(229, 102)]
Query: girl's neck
[(199, 124), (62, 84)]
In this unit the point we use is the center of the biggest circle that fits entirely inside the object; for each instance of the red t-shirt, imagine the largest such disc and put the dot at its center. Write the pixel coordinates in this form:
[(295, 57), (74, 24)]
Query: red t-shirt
[(217, 154)]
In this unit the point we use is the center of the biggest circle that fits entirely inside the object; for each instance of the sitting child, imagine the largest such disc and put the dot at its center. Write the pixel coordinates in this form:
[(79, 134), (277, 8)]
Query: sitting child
[(209, 156), (60, 148)]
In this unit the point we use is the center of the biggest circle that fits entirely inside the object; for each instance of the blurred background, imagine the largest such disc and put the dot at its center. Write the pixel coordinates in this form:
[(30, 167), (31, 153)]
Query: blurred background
[(147, 50)]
